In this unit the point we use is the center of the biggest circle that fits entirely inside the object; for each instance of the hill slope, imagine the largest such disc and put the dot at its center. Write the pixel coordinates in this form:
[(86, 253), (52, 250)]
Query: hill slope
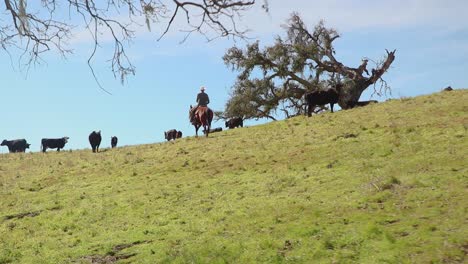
[(384, 183)]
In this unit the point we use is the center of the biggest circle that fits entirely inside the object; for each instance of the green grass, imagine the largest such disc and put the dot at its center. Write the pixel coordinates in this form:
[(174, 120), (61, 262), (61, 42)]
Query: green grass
[(386, 183)]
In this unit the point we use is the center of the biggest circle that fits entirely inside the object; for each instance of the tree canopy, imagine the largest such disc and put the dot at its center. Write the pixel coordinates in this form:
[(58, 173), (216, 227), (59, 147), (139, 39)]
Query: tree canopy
[(37, 27), (276, 77)]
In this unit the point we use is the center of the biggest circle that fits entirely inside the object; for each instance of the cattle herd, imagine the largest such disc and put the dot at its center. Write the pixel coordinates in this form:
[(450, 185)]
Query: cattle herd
[(20, 145), (313, 99)]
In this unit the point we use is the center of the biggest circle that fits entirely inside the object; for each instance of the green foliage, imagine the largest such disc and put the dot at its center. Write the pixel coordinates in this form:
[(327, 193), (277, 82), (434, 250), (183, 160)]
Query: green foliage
[(301, 190), (252, 99), (277, 76)]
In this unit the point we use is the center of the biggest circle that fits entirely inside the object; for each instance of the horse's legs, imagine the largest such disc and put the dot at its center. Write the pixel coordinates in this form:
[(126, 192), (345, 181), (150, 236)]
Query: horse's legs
[(207, 130), (196, 130)]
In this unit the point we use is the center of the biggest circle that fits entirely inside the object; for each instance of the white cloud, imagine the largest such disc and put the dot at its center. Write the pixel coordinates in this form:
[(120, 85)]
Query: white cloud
[(363, 14), (437, 17)]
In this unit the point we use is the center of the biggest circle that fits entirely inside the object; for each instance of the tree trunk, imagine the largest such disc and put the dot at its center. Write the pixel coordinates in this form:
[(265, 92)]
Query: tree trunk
[(350, 93)]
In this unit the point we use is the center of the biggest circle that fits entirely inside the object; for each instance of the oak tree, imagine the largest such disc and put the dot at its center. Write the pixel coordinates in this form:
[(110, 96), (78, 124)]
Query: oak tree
[(277, 76)]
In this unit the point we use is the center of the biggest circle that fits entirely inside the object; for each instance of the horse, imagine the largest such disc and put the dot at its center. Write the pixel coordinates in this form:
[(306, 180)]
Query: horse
[(201, 117)]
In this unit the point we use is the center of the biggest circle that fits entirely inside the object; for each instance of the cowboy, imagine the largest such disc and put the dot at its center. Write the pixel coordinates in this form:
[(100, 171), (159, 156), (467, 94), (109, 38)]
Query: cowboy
[(202, 100), (202, 97)]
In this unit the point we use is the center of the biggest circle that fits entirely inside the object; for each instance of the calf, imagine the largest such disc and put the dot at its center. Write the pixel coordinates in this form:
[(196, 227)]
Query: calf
[(52, 143), (179, 134), (95, 140), (170, 134), (213, 130), (17, 145), (321, 97), (234, 122), (114, 140)]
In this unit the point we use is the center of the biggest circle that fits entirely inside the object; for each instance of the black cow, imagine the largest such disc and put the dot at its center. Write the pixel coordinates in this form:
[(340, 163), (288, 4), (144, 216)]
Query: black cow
[(114, 140), (95, 140), (234, 122), (179, 134), (170, 134), (17, 145), (213, 130), (448, 89), (321, 97), (52, 143)]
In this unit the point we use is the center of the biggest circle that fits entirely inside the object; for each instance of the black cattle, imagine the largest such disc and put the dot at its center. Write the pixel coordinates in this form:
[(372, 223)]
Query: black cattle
[(170, 134), (321, 97), (448, 89), (364, 103), (234, 122), (52, 143), (114, 141), (179, 134), (213, 130), (95, 140), (17, 145)]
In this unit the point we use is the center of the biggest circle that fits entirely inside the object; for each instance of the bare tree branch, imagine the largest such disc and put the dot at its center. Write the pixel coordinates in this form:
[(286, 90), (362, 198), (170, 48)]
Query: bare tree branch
[(40, 27)]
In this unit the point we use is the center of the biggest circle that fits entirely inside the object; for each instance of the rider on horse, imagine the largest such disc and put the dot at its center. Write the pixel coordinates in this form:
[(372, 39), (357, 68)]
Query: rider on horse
[(201, 115), (202, 97), (202, 100)]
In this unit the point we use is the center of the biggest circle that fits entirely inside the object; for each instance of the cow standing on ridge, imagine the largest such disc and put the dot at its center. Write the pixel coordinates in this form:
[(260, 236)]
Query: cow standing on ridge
[(114, 140), (95, 140), (234, 122), (321, 97), (17, 145), (58, 143)]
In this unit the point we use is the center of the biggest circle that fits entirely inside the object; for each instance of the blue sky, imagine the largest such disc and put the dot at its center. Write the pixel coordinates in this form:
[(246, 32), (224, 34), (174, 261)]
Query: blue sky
[(60, 97)]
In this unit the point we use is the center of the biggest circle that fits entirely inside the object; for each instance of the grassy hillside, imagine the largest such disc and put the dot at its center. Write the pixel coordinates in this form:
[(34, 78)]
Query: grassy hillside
[(386, 183)]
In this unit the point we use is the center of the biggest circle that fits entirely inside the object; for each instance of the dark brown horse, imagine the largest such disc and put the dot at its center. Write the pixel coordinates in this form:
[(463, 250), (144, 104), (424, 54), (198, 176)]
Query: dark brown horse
[(201, 117)]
